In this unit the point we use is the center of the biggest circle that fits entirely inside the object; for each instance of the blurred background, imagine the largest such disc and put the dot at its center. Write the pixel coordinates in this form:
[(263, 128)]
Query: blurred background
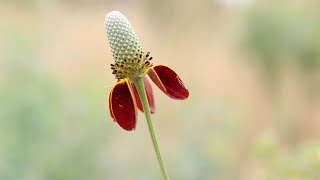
[(252, 69)]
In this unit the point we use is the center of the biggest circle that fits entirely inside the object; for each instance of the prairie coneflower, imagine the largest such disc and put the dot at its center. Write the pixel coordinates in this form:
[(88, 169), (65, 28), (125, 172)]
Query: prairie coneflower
[(133, 90)]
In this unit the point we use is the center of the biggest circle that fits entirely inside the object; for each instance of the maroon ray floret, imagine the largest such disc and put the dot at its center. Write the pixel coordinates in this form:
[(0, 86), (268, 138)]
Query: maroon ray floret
[(124, 99)]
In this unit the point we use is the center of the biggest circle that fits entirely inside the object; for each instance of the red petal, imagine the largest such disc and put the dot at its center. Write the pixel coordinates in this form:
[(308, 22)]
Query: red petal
[(110, 109), (168, 81), (122, 107), (149, 92)]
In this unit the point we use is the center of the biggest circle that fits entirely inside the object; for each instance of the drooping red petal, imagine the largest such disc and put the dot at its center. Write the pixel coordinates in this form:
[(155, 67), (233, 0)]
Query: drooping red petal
[(168, 81), (122, 107), (149, 92), (110, 109)]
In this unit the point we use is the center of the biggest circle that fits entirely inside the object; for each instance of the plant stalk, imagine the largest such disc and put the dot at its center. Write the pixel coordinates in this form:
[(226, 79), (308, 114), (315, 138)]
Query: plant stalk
[(145, 104)]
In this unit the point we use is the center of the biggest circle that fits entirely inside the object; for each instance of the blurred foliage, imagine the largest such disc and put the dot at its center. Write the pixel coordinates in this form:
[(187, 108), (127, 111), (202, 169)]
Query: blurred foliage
[(282, 38), (281, 34), (38, 137), (50, 129), (284, 162)]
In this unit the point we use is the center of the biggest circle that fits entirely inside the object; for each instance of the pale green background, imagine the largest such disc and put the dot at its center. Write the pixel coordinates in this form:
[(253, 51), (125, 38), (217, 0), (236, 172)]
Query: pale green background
[(252, 69)]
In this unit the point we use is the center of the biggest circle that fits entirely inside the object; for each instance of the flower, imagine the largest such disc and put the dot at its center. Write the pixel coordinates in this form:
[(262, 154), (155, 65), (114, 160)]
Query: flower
[(132, 63)]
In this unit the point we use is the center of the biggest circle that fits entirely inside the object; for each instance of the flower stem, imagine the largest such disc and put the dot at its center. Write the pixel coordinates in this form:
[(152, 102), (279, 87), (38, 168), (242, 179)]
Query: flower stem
[(144, 101)]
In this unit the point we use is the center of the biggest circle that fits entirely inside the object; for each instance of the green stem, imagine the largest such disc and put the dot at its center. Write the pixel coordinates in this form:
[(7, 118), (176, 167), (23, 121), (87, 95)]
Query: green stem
[(144, 101)]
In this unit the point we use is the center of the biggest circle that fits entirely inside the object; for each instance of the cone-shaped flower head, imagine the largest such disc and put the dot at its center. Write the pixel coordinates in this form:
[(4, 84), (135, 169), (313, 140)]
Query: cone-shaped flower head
[(122, 38), (125, 47), (130, 64)]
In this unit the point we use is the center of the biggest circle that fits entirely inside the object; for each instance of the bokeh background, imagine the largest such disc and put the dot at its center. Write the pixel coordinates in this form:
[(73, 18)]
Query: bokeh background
[(252, 69)]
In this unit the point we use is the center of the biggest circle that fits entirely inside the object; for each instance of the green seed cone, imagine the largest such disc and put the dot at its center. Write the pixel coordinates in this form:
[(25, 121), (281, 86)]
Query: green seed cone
[(122, 38)]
